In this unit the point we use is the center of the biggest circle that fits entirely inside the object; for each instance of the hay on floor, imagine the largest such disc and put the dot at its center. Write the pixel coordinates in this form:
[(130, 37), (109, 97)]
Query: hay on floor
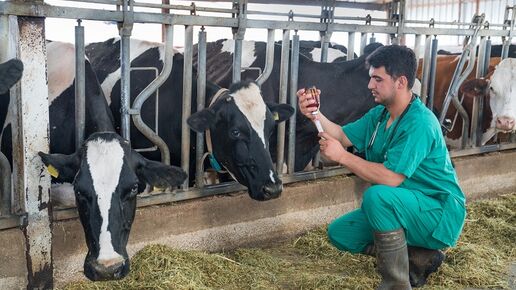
[(482, 259)]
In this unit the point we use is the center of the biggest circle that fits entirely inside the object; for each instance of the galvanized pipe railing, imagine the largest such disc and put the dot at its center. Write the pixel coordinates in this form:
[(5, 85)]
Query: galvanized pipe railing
[(285, 51), (80, 107), (431, 78), (269, 58), (351, 46), (201, 103), (125, 28), (187, 101), (146, 93), (294, 69)]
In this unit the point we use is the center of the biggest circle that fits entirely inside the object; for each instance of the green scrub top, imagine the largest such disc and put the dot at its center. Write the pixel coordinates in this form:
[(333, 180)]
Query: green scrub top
[(417, 150)]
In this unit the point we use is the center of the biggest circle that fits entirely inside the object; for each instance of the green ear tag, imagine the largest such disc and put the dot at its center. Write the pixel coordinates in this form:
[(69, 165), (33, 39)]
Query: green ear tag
[(275, 116), (53, 171)]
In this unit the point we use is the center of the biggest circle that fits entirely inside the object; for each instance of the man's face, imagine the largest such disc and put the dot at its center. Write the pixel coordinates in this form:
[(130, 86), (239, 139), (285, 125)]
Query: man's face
[(382, 86)]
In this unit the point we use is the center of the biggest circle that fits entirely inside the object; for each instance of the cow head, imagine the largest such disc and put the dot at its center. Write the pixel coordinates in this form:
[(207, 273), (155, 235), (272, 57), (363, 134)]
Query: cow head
[(240, 125), (107, 175), (502, 92)]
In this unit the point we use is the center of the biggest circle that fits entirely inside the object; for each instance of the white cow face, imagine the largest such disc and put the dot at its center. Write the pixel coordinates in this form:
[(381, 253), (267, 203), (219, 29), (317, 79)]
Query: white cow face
[(107, 175), (503, 96)]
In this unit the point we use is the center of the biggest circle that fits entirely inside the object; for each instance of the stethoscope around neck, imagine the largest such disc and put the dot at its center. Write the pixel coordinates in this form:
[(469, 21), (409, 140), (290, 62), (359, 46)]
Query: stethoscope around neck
[(382, 116)]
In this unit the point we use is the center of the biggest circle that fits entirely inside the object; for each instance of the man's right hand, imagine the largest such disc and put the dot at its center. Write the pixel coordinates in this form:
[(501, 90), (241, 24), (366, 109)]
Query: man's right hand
[(305, 98)]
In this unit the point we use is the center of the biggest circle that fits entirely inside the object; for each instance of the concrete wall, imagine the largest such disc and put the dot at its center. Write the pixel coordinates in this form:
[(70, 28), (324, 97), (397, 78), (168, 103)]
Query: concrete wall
[(223, 222)]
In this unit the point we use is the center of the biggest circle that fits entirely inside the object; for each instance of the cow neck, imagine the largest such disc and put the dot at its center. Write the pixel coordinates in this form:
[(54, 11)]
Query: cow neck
[(214, 163)]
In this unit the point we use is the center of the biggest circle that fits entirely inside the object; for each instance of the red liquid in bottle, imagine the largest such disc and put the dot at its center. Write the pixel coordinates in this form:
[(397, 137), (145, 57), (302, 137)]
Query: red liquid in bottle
[(315, 96)]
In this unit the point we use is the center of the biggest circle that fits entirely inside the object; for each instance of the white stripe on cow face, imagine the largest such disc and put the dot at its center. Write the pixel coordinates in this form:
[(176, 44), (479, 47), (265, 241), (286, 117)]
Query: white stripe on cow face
[(248, 53), (271, 175), (137, 47), (105, 160), (60, 68), (333, 54), (249, 101)]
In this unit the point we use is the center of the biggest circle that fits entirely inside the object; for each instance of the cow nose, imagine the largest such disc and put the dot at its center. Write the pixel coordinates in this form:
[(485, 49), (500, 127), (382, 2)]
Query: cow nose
[(505, 123), (272, 190), (106, 270)]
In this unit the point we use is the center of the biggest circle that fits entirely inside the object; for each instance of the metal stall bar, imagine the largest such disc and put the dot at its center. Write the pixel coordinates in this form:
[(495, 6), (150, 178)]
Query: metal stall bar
[(476, 118), (125, 27), (507, 40), (285, 51), (187, 101), (459, 76), (32, 182), (417, 48), (426, 69), (431, 78), (5, 166), (269, 58), (294, 69), (351, 46), (135, 111), (201, 103), (80, 107), (238, 36)]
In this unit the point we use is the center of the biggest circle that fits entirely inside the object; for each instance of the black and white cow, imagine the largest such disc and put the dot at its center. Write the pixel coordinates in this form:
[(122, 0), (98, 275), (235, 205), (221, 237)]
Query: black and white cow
[(10, 72), (243, 121), (345, 96), (105, 173)]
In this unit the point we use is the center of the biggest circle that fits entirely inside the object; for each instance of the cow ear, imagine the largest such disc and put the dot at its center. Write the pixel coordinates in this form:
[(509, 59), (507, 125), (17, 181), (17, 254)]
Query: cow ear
[(159, 175), (62, 167), (281, 112), (201, 121), (474, 87)]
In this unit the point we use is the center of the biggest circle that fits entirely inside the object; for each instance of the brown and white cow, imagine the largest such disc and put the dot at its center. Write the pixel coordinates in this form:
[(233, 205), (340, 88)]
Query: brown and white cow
[(445, 67), (499, 92)]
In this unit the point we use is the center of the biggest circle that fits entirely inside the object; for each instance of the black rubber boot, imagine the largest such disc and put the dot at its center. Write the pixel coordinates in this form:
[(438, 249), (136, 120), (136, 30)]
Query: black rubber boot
[(10, 73), (392, 260), (422, 263)]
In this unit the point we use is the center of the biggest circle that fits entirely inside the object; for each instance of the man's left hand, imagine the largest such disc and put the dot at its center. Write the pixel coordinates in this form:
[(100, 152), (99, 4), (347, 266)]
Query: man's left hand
[(331, 148)]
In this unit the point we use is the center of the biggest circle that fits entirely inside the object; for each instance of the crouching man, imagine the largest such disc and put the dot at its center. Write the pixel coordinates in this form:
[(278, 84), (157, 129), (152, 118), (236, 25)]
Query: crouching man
[(415, 206)]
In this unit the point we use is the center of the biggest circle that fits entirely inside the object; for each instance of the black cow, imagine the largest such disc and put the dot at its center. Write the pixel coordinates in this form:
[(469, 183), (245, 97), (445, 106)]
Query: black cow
[(106, 174), (345, 96), (240, 137)]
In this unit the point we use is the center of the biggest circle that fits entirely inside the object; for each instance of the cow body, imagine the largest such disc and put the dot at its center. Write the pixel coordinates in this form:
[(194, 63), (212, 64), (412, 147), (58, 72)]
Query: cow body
[(105, 58), (445, 67), (344, 98)]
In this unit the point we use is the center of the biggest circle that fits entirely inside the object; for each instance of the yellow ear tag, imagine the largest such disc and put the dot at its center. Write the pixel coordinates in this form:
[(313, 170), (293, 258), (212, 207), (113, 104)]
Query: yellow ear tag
[(53, 171), (276, 116)]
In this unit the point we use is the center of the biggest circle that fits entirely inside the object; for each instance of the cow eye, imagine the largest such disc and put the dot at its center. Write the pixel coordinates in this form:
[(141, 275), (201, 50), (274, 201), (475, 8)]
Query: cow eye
[(235, 133)]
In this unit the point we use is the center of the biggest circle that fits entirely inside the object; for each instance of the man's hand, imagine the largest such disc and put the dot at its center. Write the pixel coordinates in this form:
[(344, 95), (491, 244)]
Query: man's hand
[(331, 148), (305, 99)]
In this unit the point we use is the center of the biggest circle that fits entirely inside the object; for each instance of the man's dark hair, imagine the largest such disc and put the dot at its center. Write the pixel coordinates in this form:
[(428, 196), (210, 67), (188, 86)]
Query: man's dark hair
[(398, 61)]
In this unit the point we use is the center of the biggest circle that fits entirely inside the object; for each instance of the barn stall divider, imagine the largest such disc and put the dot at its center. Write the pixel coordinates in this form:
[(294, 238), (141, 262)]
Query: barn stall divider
[(22, 36)]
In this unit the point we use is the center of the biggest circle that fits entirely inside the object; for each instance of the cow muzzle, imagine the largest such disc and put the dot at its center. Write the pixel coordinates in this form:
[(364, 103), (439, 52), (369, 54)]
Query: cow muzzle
[(505, 124), (272, 190), (106, 270)]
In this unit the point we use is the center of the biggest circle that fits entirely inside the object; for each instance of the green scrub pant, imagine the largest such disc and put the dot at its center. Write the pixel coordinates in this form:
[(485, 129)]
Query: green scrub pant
[(386, 208)]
